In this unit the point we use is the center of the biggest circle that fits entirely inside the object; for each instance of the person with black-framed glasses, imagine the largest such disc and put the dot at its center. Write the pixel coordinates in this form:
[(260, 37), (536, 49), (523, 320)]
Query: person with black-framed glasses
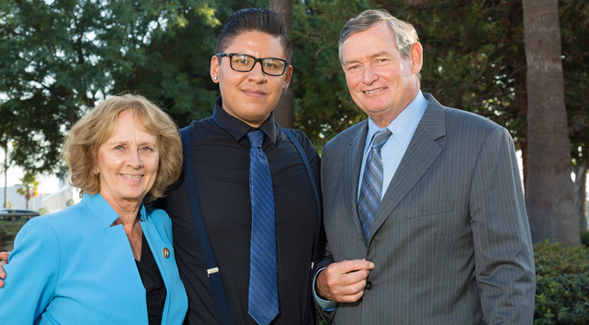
[(251, 66), (245, 63), (250, 185)]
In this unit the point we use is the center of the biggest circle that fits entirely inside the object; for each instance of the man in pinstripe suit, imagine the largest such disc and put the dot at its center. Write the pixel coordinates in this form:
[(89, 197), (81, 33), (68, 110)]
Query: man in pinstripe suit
[(424, 210)]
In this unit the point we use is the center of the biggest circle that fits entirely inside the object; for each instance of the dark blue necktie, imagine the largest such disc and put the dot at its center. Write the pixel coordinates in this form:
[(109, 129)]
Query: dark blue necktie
[(371, 189), (263, 289)]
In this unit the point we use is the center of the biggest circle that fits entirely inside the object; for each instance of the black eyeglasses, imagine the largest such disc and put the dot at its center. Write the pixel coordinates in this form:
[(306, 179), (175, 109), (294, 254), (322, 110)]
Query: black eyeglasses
[(245, 63)]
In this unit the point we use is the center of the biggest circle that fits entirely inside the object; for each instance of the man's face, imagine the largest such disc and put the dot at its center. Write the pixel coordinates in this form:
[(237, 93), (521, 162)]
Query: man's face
[(380, 80), (250, 96)]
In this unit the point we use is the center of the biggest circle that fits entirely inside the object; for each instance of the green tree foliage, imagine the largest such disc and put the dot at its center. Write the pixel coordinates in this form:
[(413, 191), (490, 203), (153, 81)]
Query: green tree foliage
[(174, 73), (59, 57), (574, 28), (574, 23), (178, 77), (323, 106), (174, 70), (585, 238), (473, 55), (473, 59)]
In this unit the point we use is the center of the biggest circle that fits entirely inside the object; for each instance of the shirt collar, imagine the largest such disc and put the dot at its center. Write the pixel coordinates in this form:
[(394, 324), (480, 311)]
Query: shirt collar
[(404, 125), (239, 129), (103, 210)]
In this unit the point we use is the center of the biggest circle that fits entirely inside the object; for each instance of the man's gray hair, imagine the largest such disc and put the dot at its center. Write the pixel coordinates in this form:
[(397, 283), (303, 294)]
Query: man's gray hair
[(405, 34)]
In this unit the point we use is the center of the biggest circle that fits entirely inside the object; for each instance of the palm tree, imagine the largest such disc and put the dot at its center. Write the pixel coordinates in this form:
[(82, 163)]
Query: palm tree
[(549, 190), (284, 111), (6, 164), (28, 188)]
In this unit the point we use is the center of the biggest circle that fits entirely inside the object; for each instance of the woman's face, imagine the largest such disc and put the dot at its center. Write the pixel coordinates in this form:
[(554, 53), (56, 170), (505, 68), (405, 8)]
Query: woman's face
[(251, 96), (127, 162)]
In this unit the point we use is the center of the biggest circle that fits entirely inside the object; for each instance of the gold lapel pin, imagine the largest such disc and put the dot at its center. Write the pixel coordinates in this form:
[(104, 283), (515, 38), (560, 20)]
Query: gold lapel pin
[(166, 252)]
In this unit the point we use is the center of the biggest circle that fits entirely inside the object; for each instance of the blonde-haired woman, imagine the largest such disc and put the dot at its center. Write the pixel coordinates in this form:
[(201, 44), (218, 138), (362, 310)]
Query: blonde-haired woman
[(108, 259)]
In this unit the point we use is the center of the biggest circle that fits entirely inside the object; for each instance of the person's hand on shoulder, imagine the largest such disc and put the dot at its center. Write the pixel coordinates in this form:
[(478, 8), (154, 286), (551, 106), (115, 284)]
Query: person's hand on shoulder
[(4, 256)]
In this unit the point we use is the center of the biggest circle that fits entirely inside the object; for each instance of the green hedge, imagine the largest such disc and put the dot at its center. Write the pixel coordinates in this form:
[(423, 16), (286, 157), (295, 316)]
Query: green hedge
[(585, 238), (9, 229), (562, 284)]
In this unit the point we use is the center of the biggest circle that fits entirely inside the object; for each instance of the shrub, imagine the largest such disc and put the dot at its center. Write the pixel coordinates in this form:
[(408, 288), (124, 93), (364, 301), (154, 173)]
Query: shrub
[(585, 238), (9, 229), (562, 284)]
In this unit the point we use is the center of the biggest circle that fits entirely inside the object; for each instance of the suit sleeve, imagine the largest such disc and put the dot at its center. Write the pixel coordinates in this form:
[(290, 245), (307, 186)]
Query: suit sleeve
[(315, 162), (503, 247), (31, 274), (325, 257)]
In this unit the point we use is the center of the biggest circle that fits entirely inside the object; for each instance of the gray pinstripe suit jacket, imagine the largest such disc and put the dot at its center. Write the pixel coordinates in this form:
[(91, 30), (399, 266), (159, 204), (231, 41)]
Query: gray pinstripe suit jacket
[(451, 240)]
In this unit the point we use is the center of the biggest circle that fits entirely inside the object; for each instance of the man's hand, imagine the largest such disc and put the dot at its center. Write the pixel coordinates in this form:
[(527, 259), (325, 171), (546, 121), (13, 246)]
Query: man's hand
[(4, 256), (343, 281)]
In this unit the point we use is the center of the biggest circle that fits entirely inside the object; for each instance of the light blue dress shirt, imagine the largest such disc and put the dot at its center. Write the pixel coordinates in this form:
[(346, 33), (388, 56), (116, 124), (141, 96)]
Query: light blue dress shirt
[(402, 128)]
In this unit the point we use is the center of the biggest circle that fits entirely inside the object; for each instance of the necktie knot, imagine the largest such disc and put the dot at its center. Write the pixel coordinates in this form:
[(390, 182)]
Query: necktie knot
[(380, 138), (256, 138)]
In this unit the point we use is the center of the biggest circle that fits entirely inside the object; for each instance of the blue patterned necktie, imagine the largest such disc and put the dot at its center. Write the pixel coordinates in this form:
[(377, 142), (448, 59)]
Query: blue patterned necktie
[(371, 189), (263, 289)]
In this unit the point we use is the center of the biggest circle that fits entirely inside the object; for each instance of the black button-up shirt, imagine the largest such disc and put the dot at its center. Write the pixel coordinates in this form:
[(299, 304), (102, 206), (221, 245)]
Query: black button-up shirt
[(220, 151)]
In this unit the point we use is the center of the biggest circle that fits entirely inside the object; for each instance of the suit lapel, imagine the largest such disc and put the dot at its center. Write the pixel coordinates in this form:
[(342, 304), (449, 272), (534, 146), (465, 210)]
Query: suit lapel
[(423, 150), (352, 173)]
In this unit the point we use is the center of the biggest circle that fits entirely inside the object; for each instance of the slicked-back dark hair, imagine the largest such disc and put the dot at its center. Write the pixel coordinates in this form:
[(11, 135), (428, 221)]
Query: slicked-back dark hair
[(254, 19)]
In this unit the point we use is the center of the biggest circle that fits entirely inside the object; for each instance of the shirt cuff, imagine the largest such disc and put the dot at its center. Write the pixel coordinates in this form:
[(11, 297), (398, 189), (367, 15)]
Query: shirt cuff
[(326, 305)]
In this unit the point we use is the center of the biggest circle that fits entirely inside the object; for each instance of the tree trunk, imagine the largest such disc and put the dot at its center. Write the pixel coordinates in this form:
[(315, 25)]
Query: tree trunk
[(6, 175), (581, 195), (549, 190), (284, 111)]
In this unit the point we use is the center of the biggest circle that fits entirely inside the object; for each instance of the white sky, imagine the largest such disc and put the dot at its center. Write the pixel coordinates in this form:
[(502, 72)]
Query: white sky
[(47, 183)]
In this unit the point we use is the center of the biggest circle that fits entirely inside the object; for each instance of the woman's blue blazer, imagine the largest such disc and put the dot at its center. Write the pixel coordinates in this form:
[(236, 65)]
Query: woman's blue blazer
[(72, 267)]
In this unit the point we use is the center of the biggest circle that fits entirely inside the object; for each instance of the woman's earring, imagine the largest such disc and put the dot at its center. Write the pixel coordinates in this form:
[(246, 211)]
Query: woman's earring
[(283, 86), (216, 78)]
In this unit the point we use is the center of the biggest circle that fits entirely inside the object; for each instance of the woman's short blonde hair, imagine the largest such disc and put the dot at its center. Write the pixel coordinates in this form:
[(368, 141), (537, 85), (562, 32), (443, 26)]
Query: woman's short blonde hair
[(93, 129)]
